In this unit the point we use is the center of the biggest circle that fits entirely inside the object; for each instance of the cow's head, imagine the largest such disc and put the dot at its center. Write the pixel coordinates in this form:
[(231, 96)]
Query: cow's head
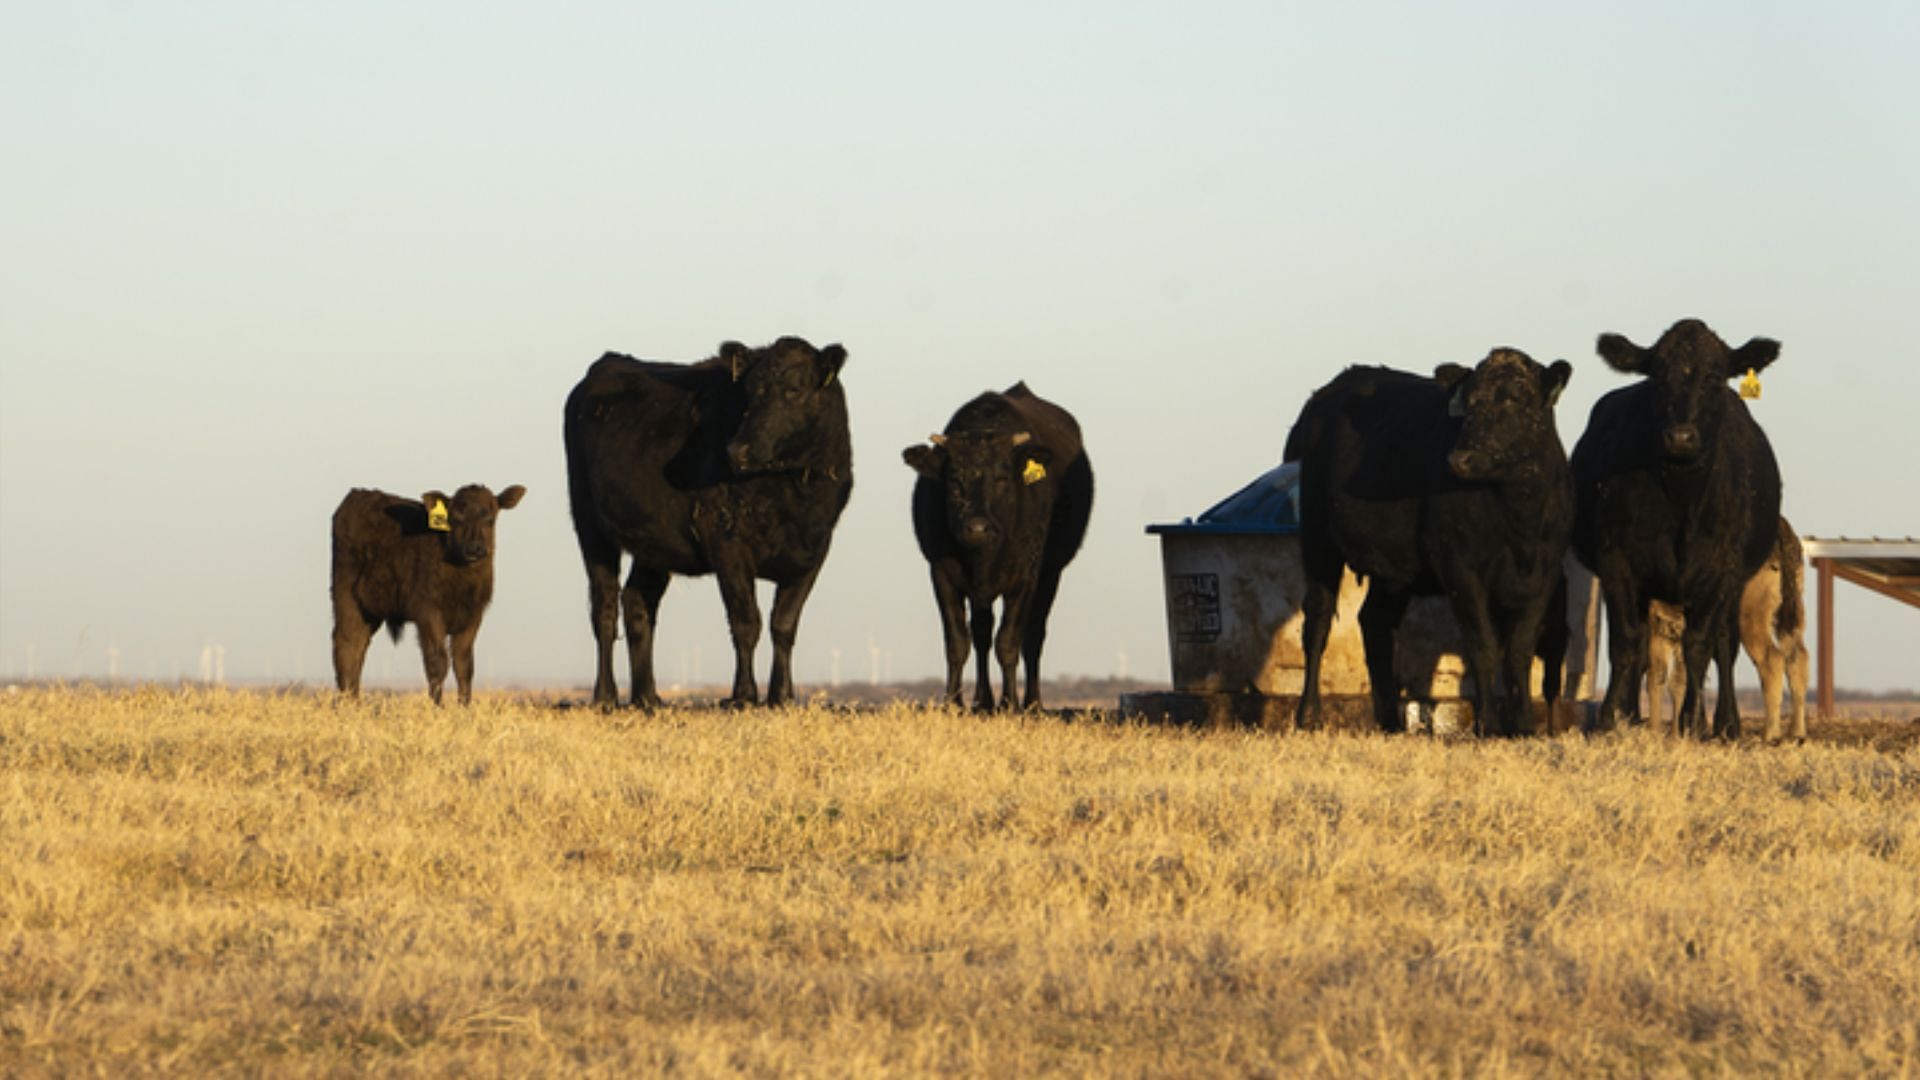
[(996, 481), (793, 398), (1506, 405), (1688, 369), (468, 521)]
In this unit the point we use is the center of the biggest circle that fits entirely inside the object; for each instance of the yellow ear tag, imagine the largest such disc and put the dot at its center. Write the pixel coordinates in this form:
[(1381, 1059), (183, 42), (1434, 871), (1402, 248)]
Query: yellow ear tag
[(1034, 472), (437, 517), (1750, 386)]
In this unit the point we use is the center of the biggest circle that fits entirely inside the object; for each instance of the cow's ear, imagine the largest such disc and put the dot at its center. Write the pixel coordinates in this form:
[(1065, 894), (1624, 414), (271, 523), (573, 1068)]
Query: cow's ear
[(1036, 462), (831, 359), (926, 460), (1553, 380), (1755, 355), (1622, 355), (436, 504), (1450, 375), (510, 498), (734, 355)]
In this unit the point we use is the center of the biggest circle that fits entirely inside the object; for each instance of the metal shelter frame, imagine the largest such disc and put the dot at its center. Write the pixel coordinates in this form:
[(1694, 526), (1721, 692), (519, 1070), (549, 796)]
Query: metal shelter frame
[(1888, 567)]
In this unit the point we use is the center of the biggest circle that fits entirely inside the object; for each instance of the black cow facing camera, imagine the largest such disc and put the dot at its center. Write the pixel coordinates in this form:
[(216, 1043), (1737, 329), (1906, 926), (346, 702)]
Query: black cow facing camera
[(1678, 501), (736, 466), (1000, 508), (1456, 484), (428, 562)]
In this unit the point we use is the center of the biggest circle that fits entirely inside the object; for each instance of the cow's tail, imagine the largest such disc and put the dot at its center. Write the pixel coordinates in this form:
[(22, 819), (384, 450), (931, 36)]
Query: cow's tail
[(1790, 619), (394, 627)]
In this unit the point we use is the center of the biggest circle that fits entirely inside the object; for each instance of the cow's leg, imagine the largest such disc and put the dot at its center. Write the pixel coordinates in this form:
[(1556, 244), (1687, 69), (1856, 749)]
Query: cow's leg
[(433, 650), (603, 605), (1772, 662), (743, 620), (1700, 642), (640, 606), (1554, 637), (1379, 617), (1796, 669), (982, 652), (788, 599), (1316, 623), (1035, 635), (1626, 649), (1520, 642), (1485, 646), (1007, 642), (351, 635), (1726, 707), (463, 661), (950, 596)]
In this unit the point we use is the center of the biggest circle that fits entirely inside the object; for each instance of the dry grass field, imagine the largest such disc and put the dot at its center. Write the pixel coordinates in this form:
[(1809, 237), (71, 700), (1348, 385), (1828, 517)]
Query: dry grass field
[(210, 882)]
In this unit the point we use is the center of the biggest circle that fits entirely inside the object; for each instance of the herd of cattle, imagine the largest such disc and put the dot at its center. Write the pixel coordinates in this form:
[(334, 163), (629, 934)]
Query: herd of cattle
[(1456, 485)]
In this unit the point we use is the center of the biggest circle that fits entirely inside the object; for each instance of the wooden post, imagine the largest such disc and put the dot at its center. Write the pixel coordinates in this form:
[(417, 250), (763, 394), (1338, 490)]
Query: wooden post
[(1823, 569)]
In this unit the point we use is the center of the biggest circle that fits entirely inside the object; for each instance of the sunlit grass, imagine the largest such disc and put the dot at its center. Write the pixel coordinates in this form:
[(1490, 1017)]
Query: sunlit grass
[(205, 881)]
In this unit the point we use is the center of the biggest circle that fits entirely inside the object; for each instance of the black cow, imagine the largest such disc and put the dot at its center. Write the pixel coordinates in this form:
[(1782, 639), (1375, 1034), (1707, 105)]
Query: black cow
[(1456, 484), (1678, 500), (428, 562), (1000, 508), (736, 466)]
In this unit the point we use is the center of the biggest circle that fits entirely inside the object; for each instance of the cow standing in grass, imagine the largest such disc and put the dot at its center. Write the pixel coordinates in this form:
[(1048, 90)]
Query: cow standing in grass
[(736, 466), (1772, 625), (428, 562), (999, 510), (1678, 500), (1454, 485)]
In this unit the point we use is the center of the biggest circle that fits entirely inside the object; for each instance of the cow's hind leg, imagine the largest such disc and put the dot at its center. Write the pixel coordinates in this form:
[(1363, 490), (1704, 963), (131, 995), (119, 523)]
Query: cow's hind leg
[(1316, 624), (640, 607), (1379, 617), (1796, 669), (602, 560), (352, 632), (788, 599)]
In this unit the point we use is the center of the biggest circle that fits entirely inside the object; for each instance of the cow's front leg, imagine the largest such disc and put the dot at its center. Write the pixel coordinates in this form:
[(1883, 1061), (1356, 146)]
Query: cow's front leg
[(463, 661), (743, 620), (433, 650), (1006, 644), (1706, 634), (982, 605), (950, 595), (788, 599), (1626, 647)]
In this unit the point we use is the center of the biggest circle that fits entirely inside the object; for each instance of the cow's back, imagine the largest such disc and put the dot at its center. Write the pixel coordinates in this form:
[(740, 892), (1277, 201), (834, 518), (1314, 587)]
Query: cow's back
[(641, 437), (380, 546), (1371, 445), (1056, 429)]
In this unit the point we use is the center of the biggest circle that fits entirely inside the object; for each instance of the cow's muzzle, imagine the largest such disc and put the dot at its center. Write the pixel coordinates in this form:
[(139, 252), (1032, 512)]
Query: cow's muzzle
[(1467, 465), (1681, 440), (977, 532)]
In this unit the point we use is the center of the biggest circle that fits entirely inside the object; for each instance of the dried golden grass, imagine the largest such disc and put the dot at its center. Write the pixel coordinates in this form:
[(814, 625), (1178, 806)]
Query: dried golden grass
[(205, 882)]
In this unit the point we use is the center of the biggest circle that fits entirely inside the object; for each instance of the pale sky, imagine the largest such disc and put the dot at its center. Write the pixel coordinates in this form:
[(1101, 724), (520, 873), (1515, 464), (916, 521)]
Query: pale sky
[(258, 254)]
